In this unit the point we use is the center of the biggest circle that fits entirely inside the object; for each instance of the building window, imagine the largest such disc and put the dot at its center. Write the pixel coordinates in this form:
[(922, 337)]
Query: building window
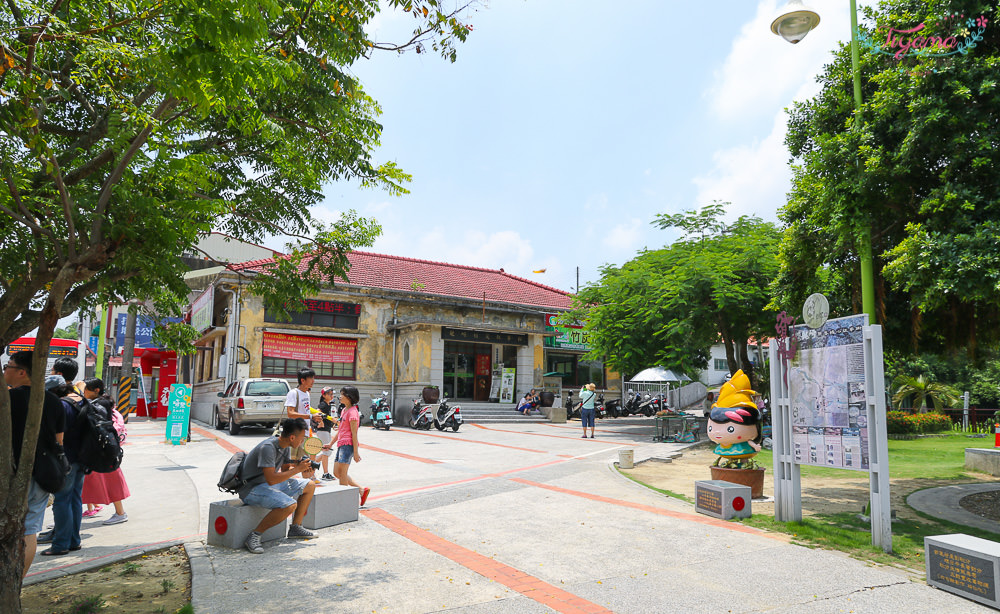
[(721, 364), (309, 318), (573, 371), (283, 367)]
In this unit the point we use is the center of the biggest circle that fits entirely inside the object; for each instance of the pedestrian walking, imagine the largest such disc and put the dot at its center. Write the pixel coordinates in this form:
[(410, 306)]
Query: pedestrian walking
[(348, 446)]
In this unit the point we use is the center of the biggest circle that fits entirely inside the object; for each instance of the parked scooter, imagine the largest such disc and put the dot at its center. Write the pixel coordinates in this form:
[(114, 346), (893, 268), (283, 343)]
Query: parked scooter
[(646, 407), (421, 417), (631, 405), (614, 408), (571, 406), (381, 413), (448, 416), (599, 409)]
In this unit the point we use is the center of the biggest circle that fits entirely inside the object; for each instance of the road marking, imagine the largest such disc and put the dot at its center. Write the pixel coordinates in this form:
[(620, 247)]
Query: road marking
[(227, 446), (489, 428), (514, 579), (419, 459), (482, 443), (725, 524)]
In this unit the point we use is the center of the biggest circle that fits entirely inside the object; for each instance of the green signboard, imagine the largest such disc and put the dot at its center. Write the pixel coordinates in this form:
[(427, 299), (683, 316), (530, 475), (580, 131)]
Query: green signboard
[(572, 335), (178, 411)]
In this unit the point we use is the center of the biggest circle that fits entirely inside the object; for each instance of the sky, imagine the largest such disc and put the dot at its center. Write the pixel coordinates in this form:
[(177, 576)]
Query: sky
[(564, 128)]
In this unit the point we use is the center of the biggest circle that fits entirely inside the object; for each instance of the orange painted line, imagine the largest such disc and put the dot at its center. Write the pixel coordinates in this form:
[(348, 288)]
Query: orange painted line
[(514, 579), (482, 443), (228, 447), (715, 522), (489, 428), (401, 455)]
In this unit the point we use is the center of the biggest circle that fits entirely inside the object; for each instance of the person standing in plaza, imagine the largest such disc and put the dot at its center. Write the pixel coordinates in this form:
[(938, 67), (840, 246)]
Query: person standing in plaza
[(588, 395), (17, 376), (348, 446), (297, 406), (101, 489), (324, 430)]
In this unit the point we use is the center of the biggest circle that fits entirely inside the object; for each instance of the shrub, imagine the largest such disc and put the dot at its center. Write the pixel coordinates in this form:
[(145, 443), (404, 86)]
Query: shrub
[(898, 422)]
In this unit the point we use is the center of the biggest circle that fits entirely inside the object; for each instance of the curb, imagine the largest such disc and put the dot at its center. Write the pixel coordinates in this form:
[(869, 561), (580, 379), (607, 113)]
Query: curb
[(102, 561), (202, 575)]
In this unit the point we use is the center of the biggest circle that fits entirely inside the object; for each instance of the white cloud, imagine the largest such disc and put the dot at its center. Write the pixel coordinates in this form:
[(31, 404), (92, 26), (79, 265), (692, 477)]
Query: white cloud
[(624, 237), (762, 69)]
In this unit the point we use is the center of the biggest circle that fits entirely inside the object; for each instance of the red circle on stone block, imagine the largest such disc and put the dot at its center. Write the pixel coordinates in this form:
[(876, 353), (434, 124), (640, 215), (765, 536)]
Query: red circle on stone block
[(221, 526), (738, 503)]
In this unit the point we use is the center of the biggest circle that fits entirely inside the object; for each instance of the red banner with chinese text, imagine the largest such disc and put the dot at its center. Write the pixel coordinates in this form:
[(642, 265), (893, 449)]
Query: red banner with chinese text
[(300, 347)]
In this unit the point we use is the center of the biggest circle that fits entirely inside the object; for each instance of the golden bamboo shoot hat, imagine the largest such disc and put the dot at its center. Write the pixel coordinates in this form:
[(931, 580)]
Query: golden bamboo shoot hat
[(736, 392)]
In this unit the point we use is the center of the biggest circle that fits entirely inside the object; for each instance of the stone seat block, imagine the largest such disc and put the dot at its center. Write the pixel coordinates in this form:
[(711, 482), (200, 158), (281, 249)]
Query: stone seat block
[(229, 523), (331, 505)]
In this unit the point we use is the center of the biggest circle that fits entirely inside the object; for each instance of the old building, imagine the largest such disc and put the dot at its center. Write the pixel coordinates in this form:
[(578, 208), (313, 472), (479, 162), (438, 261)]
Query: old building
[(398, 324)]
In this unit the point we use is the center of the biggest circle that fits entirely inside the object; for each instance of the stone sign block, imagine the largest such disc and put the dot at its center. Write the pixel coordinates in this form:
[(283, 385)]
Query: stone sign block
[(720, 499), (964, 565)]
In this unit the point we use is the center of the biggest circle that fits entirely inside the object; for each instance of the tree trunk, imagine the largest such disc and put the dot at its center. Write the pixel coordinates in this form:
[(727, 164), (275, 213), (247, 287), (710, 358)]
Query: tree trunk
[(12, 551), (747, 365), (727, 342)]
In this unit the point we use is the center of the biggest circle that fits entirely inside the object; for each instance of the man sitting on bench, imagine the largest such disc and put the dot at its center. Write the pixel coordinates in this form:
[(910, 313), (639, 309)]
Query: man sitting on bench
[(274, 485)]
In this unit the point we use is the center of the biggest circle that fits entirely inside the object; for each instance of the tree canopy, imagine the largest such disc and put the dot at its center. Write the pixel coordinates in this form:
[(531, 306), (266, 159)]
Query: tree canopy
[(669, 306), (918, 162), (130, 128)]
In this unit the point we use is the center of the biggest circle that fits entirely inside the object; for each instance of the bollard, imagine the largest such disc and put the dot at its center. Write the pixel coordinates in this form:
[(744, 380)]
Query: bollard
[(996, 435), (626, 459)]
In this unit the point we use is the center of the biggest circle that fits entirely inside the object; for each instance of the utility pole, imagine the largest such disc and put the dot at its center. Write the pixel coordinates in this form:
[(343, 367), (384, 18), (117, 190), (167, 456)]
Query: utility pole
[(128, 351)]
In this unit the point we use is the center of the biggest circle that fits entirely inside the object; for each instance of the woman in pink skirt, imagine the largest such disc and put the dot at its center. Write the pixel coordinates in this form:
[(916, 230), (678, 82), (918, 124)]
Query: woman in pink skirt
[(101, 489)]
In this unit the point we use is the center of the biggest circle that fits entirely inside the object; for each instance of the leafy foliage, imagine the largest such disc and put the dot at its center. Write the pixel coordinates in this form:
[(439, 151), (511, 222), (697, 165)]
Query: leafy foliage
[(918, 392), (669, 306), (902, 423), (918, 164)]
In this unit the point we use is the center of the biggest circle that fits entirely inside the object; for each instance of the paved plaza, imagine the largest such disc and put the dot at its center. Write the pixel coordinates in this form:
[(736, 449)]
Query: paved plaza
[(496, 518)]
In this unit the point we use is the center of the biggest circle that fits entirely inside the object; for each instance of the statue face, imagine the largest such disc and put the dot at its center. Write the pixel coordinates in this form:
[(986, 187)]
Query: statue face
[(729, 433)]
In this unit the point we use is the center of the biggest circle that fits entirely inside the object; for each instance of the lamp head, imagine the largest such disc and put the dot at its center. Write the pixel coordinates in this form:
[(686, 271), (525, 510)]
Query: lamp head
[(794, 21)]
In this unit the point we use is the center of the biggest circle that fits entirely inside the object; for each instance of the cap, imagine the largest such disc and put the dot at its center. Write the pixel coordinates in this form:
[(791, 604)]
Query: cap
[(53, 381), (325, 390)]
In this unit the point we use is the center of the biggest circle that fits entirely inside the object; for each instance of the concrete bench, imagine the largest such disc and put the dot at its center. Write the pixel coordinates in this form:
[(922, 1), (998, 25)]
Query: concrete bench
[(331, 505), (983, 460), (229, 523)]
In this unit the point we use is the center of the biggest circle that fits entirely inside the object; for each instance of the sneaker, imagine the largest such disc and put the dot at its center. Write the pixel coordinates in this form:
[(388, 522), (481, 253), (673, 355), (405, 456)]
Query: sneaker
[(295, 531), (93, 512), (45, 537), (253, 543), (116, 519), (328, 477), (364, 495)]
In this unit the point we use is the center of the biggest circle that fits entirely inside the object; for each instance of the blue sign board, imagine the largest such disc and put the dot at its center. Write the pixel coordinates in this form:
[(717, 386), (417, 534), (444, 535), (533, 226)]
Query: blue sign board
[(144, 326), (178, 412)]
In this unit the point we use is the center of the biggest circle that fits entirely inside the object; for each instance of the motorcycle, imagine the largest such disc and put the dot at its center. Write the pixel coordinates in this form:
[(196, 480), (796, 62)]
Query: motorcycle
[(381, 412), (631, 405), (614, 408), (420, 416), (647, 406), (448, 416), (571, 410), (599, 410)]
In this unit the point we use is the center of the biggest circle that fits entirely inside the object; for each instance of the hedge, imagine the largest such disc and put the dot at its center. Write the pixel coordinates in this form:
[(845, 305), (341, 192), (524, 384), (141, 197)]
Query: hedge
[(898, 422)]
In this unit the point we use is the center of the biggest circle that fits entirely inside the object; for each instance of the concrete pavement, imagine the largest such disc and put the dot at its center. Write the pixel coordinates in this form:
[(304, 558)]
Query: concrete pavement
[(492, 519)]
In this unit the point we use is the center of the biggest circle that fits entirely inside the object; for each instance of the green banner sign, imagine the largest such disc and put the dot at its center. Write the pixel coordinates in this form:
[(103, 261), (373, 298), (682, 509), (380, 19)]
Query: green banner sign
[(178, 411)]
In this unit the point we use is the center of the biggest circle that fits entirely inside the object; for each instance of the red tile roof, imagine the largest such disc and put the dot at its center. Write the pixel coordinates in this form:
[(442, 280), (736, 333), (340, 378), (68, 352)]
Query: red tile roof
[(397, 273)]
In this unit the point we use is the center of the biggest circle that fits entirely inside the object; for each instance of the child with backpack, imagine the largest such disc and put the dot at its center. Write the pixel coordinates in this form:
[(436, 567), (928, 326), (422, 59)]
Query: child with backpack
[(100, 489)]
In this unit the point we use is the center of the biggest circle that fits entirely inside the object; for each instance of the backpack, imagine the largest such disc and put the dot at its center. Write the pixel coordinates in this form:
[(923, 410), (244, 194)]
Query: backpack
[(119, 423), (231, 479), (100, 445)]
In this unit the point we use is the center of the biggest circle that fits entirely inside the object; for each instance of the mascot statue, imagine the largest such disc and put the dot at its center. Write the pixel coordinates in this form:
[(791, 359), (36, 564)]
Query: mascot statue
[(734, 425)]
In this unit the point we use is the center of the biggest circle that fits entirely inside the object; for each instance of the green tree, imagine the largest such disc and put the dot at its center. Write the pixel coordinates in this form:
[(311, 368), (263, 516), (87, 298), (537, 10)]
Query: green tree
[(130, 128), (918, 163), (70, 332), (917, 391), (669, 306)]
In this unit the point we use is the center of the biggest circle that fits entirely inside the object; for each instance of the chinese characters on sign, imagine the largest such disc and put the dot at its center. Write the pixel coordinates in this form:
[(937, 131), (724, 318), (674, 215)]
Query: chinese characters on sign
[(482, 336), (967, 573), (572, 335), (178, 410), (345, 309), (301, 347)]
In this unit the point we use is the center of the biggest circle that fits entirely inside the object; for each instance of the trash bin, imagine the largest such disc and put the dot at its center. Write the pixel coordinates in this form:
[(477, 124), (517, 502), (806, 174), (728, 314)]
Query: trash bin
[(625, 459), (546, 398)]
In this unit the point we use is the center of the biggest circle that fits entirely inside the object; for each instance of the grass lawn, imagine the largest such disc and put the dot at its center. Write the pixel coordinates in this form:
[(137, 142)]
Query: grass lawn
[(941, 458)]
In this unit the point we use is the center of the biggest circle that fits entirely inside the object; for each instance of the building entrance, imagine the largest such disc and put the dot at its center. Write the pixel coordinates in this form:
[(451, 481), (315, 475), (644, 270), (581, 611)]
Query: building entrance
[(467, 370)]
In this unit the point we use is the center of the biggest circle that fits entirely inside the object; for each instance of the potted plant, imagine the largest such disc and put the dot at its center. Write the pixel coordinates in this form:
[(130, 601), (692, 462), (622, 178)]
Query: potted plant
[(430, 394), (735, 426)]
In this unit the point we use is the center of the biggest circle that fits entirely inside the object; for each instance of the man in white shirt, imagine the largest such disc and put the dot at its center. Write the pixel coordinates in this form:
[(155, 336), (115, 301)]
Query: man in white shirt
[(297, 406)]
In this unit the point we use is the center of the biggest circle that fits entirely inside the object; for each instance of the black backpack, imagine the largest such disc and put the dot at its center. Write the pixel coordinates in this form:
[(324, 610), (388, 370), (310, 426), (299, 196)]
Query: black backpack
[(231, 479), (100, 448)]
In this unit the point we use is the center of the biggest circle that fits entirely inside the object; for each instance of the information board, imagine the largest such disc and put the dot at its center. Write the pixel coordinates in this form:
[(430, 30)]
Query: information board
[(178, 412), (826, 385), (507, 386), (963, 573)]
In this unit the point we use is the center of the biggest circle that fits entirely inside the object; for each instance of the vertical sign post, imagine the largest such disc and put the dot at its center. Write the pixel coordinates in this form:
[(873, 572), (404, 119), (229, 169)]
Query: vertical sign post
[(178, 410)]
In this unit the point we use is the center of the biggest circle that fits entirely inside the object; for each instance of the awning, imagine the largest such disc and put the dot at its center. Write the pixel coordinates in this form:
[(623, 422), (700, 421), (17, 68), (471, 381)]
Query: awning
[(116, 361)]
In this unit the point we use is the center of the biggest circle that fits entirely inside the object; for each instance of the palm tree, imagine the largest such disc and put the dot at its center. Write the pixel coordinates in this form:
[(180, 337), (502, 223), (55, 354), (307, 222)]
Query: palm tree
[(919, 390)]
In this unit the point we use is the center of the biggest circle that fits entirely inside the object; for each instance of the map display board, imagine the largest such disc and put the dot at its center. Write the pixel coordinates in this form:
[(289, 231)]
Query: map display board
[(826, 389)]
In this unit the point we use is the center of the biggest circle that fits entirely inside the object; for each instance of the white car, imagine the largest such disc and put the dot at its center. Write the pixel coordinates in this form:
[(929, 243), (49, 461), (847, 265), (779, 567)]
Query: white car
[(257, 401)]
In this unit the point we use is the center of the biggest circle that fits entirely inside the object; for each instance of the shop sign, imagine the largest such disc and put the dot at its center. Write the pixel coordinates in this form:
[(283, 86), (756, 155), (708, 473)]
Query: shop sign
[(201, 310), (178, 410), (301, 347), (334, 307), (955, 35), (482, 336), (56, 348), (144, 326), (572, 335)]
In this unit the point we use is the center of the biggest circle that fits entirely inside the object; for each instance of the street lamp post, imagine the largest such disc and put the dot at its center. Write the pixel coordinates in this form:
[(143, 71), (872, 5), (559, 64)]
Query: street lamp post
[(794, 22)]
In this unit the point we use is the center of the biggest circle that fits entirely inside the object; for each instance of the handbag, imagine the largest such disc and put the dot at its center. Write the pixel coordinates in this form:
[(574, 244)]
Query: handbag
[(51, 468)]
